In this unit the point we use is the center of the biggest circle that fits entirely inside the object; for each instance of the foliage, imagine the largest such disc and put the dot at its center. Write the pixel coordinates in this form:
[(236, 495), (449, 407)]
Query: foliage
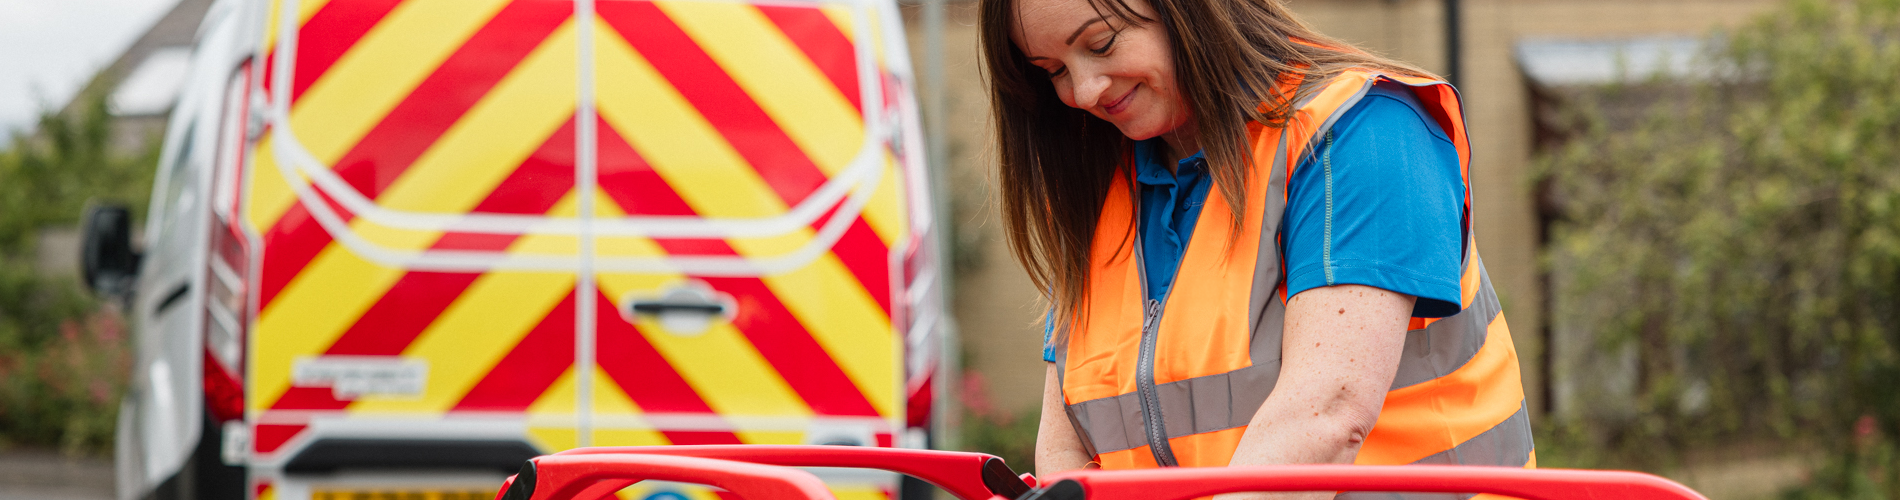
[(996, 431), (1743, 240), (64, 356)]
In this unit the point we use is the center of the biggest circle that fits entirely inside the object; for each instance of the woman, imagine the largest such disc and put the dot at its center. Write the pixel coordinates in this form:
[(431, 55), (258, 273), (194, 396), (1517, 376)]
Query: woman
[(1256, 241)]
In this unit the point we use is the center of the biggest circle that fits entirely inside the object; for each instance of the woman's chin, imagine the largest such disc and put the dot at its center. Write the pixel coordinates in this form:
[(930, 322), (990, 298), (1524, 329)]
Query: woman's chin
[(1138, 133)]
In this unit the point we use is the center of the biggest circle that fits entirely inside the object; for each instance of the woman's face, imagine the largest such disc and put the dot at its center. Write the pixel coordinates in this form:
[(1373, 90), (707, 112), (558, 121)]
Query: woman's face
[(1119, 72)]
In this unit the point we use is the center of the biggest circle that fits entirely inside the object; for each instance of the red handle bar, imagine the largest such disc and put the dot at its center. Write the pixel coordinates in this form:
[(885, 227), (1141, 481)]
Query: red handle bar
[(589, 477), (969, 476), (1535, 484)]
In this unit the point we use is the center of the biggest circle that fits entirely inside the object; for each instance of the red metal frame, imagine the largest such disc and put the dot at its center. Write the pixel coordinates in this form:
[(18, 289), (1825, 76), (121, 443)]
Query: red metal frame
[(590, 477), (1182, 483), (760, 471), (969, 476)]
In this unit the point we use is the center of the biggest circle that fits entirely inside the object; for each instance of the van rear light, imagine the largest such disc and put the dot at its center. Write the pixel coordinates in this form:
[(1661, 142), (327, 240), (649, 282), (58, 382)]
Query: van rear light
[(226, 321), (228, 260), (918, 314)]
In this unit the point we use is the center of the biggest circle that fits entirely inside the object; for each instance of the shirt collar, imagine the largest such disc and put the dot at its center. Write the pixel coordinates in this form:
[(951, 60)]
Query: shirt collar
[(1150, 169)]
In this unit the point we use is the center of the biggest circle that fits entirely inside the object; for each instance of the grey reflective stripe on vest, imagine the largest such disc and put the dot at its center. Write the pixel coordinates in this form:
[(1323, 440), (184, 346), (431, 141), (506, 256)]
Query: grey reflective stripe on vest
[(1227, 400), (1507, 444), (1193, 406), (1449, 343)]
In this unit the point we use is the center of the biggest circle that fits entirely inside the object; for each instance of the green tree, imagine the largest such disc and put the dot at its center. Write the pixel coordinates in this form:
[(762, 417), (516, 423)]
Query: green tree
[(63, 359), (1742, 236)]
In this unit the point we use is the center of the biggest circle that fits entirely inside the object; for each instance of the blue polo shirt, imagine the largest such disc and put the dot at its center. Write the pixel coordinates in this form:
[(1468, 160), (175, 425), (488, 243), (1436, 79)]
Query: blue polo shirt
[(1379, 203)]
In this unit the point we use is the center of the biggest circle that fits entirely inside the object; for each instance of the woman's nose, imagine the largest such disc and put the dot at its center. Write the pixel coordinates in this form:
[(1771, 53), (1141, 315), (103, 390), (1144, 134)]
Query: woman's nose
[(1089, 86)]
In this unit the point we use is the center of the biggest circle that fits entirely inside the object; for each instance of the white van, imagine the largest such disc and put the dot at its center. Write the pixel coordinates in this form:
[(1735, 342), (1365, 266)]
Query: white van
[(398, 246)]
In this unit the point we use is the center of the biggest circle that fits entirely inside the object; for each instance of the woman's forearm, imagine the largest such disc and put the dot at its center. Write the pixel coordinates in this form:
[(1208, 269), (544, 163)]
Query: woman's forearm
[(1058, 448), (1340, 350)]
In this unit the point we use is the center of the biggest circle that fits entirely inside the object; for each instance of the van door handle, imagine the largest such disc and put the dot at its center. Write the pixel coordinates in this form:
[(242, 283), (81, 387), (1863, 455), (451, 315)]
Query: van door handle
[(688, 308), (673, 304)]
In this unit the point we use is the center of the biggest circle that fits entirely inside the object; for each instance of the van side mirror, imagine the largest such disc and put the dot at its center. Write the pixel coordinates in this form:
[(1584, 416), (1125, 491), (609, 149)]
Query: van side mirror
[(109, 262)]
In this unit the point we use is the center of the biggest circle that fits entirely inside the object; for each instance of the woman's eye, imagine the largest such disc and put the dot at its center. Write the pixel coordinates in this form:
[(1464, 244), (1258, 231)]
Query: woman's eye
[(1058, 71), (1105, 46)]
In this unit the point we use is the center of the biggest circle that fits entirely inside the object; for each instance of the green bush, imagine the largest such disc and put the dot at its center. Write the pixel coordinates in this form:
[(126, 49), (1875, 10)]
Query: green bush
[(1742, 237), (1007, 433), (64, 355)]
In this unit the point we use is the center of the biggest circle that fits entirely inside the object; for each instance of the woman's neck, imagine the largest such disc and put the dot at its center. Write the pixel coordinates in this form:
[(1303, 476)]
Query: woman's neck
[(1182, 143)]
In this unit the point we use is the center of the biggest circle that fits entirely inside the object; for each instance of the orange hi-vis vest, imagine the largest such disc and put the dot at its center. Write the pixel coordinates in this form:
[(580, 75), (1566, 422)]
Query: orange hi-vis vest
[(1175, 382)]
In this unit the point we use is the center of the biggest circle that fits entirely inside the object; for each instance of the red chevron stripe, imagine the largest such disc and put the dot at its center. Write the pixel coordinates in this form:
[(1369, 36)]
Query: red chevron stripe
[(269, 437), (527, 371), (321, 40), (745, 126), (413, 125), (823, 43), (416, 299), (419, 297), (335, 27), (716, 96), (701, 437), (648, 379), (779, 337)]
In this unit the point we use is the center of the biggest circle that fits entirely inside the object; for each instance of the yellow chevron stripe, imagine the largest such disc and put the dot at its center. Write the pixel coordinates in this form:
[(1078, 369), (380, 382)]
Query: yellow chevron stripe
[(770, 437), (305, 9), (885, 211), (840, 15), (777, 75), (858, 494), (847, 322), (555, 430), (703, 169), (612, 400), (554, 438), (496, 135), (672, 136), (474, 334), (483, 325), (315, 308), (270, 194), (724, 368), (370, 79), (477, 153), (559, 399)]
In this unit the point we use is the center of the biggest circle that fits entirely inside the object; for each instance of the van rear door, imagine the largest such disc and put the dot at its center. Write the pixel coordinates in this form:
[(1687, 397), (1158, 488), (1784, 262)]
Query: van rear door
[(410, 193), (751, 212), (496, 225)]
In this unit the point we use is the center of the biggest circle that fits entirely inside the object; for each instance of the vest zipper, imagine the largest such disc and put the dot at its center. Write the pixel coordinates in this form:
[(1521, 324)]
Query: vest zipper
[(1154, 426), (1145, 387)]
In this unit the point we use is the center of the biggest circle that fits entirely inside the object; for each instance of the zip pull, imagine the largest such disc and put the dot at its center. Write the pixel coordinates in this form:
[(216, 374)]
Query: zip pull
[(1150, 313)]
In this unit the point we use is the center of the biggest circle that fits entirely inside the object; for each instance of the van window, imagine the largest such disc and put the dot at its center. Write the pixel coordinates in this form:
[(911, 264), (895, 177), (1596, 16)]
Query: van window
[(177, 178)]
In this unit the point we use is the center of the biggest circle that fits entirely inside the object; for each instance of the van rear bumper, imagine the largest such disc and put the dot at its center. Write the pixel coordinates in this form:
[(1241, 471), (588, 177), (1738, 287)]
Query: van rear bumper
[(333, 454)]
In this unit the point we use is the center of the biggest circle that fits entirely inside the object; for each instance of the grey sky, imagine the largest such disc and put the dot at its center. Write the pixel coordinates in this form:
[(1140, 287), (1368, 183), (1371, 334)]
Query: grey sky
[(49, 48)]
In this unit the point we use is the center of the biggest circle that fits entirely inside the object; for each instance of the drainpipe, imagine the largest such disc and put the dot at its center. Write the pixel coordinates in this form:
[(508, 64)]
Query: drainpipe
[(1454, 44)]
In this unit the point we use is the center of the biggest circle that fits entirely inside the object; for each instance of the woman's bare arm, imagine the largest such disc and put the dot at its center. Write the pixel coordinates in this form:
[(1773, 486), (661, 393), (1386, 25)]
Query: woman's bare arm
[(1058, 448), (1339, 354)]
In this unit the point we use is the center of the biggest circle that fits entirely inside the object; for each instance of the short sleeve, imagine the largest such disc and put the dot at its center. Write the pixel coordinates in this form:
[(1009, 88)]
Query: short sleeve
[(1048, 336), (1381, 204)]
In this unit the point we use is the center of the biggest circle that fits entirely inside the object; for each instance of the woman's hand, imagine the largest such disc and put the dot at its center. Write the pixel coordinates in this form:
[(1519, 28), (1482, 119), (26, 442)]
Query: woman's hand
[(1058, 448), (1339, 353)]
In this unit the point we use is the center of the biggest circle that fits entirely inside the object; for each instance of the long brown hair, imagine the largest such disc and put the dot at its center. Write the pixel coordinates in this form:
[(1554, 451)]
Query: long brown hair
[(1056, 162)]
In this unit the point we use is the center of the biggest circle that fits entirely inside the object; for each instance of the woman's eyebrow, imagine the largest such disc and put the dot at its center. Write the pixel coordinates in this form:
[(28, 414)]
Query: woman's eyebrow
[(1078, 30)]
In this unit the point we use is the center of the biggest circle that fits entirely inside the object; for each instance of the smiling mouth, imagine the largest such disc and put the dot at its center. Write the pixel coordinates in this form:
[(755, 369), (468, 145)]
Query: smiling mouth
[(1121, 104)]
